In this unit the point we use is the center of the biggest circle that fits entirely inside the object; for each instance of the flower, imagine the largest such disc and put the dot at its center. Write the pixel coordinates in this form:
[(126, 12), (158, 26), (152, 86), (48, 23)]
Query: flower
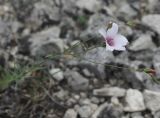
[(151, 72), (114, 41)]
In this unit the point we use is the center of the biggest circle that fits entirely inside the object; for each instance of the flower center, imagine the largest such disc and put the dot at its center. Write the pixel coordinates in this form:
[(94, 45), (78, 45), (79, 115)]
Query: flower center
[(110, 41)]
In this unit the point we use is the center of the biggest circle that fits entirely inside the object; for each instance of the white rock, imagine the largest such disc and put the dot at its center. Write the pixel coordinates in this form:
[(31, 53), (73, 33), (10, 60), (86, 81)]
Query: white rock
[(86, 72), (71, 102), (143, 42), (85, 101), (95, 100), (157, 114), (57, 74), (90, 5), (87, 110), (152, 21), (151, 5), (76, 80), (134, 101), (127, 116), (115, 101), (136, 115), (70, 113), (99, 110), (45, 42), (61, 95), (41, 10), (126, 11), (93, 107), (112, 91), (152, 100), (108, 111), (97, 55)]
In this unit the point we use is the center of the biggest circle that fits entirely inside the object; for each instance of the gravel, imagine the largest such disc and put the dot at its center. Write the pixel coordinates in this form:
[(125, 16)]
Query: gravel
[(34, 32)]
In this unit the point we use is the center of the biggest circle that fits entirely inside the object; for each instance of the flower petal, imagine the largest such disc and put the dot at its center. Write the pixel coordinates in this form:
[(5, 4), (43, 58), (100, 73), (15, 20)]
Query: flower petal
[(111, 32), (109, 48), (103, 32), (120, 40), (120, 48)]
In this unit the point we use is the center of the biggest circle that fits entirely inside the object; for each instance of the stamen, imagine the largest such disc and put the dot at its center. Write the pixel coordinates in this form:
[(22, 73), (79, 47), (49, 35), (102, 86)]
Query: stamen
[(110, 41)]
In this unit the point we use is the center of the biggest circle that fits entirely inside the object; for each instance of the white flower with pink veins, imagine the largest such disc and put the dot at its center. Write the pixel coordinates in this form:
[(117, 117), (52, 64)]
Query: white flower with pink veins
[(114, 41)]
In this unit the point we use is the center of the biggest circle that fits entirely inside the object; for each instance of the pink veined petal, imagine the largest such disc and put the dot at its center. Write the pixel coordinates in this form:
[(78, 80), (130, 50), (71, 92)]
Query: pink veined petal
[(111, 32), (103, 32), (120, 40), (109, 48)]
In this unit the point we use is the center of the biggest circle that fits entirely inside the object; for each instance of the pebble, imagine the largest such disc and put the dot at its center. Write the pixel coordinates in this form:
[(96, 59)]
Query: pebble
[(152, 100), (70, 113), (134, 101), (112, 91)]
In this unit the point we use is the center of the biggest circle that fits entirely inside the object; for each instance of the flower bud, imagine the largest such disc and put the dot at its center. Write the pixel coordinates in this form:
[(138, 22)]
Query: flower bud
[(149, 71)]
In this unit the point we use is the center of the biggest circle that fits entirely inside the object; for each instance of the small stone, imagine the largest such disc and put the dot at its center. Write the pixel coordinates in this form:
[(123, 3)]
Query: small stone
[(126, 116), (84, 102), (57, 74), (126, 11), (108, 111), (152, 5), (26, 32), (102, 100), (83, 95), (40, 11), (95, 100), (136, 115), (70, 113), (76, 81), (78, 49), (93, 107), (16, 26), (157, 114), (61, 95), (97, 55), (115, 101), (99, 110), (144, 39), (86, 72), (46, 42), (70, 102), (6, 34), (152, 21), (85, 111), (77, 97), (152, 100), (90, 5), (95, 81), (112, 91), (134, 101), (68, 6)]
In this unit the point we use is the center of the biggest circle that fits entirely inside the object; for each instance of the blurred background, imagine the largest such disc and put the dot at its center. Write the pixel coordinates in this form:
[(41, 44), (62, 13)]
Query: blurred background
[(39, 79)]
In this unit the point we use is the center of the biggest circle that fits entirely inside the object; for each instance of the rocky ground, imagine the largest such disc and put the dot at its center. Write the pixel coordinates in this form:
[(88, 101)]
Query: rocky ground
[(30, 30)]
